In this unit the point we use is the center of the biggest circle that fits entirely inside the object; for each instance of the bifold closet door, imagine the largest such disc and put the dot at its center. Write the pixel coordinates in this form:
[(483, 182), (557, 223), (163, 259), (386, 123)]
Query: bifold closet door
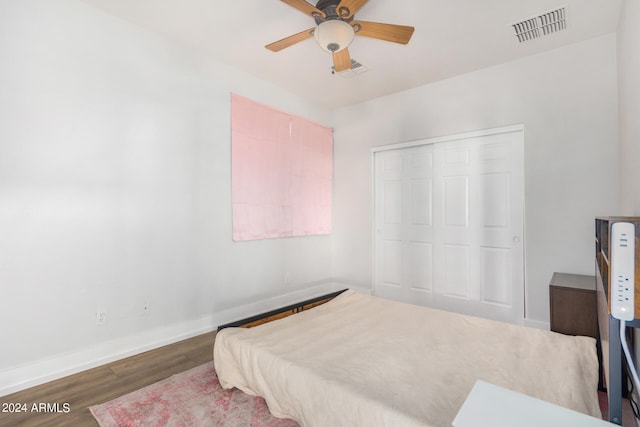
[(448, 224)]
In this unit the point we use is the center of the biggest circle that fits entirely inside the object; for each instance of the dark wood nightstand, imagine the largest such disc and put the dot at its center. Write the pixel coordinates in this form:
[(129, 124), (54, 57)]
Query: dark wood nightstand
[(572, 299)]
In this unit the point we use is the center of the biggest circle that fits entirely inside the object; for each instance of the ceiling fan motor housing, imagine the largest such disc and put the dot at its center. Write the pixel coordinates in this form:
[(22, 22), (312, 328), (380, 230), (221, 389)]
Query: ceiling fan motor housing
[(331, 11)]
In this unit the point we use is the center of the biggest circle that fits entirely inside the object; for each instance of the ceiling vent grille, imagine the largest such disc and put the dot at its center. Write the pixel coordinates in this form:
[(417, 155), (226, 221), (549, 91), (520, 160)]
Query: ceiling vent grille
[(356, 68), (541, 25)]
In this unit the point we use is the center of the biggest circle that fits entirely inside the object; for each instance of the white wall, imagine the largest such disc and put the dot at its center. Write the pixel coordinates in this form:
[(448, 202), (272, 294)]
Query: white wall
[(629, 107), (567, 101), (115, 193)]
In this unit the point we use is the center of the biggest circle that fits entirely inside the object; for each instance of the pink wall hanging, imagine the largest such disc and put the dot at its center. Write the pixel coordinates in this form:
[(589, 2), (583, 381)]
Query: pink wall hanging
[(282, 169)]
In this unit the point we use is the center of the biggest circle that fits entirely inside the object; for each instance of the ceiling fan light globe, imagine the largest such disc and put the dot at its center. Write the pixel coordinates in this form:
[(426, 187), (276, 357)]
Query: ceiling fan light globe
[(334, 35)]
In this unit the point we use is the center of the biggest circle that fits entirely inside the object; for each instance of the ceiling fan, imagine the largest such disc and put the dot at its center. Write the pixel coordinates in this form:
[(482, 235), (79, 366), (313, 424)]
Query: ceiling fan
[(335, 29)]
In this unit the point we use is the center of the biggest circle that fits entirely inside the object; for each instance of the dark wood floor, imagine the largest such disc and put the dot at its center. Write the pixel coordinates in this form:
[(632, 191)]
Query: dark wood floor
[(105, 383)]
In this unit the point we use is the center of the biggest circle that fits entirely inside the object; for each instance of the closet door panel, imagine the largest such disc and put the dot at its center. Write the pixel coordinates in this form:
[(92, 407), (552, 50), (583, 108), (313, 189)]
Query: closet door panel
[(448, 224)]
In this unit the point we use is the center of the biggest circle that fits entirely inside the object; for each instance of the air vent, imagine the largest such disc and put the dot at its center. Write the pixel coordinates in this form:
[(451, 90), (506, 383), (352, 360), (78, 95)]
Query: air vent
[(356, 68), (541, 25)]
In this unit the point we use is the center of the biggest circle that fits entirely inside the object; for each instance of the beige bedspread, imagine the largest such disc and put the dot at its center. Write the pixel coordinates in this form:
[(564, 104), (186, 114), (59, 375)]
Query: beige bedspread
[(359, 360)]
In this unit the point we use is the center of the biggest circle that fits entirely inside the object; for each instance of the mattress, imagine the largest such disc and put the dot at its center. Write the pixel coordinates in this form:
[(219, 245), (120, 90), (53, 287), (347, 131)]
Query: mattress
[(360, 360)]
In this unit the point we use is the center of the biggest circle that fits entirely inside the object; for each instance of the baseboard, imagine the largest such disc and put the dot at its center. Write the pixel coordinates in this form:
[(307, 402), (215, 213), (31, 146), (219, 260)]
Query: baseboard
[(537, 324), (58, 366), (62, 365)]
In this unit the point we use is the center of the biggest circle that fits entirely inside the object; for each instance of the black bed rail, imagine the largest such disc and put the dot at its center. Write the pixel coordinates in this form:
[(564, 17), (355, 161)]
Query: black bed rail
[(281, 312)]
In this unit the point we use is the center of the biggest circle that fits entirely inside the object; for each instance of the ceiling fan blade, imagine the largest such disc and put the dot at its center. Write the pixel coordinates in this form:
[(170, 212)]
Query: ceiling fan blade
[(305, 7), (352, 5), (341, 60), (290, 41), (389, 32)]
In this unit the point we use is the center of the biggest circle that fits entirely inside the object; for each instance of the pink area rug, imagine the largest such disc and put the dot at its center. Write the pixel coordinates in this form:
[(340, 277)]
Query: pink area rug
[(193, 398)]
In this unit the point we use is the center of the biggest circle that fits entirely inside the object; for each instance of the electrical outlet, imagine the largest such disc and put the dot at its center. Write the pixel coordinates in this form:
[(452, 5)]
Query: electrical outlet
[(622, 270), (101, 317)]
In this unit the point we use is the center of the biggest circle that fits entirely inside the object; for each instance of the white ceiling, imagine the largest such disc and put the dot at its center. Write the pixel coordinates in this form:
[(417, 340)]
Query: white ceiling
[(451, 37)]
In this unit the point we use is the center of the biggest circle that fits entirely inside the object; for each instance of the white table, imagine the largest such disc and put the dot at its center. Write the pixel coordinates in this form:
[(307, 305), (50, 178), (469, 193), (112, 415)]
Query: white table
[(491, 406)]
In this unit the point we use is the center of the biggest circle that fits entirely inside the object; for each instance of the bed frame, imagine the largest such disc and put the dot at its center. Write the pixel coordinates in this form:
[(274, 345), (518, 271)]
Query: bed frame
[(613, 363), (280, 313)]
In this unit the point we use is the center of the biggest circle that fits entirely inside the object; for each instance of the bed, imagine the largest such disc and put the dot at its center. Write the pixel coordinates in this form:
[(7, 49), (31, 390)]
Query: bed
[(360, 360)]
